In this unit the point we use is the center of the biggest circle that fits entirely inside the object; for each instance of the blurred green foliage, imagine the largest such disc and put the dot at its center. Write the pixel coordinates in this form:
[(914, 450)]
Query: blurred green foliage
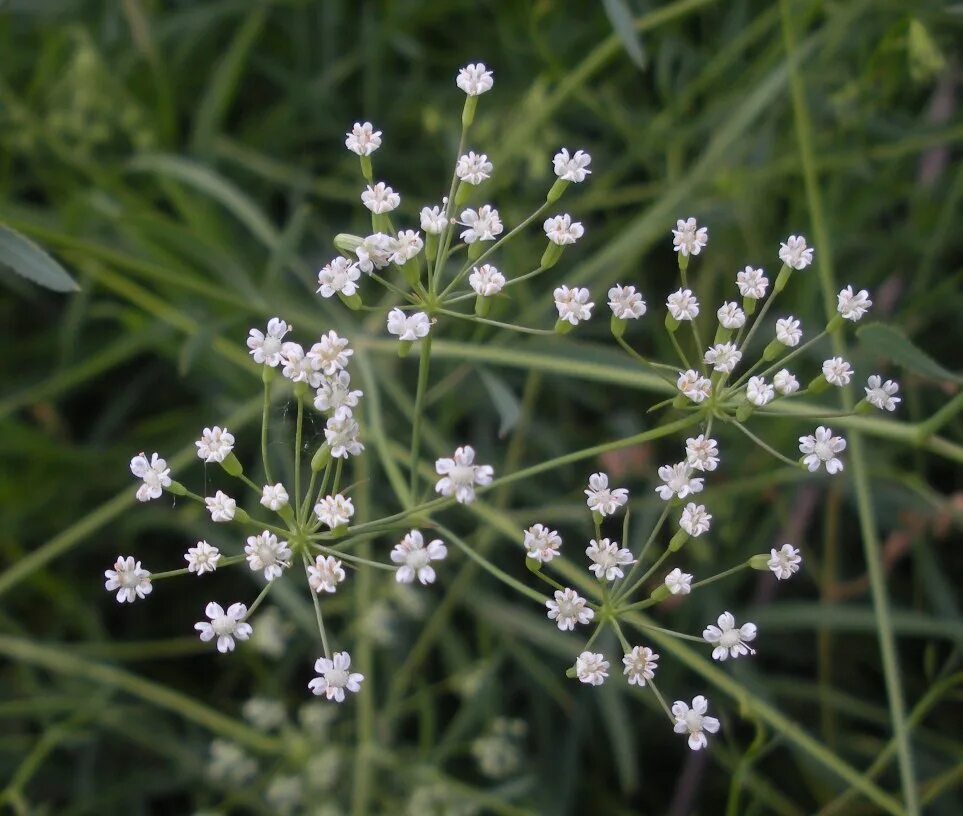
[(184, 161)]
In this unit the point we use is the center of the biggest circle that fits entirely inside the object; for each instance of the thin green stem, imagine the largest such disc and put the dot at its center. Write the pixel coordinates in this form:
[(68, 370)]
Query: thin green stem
[(259, 599), (424, 363), (299, 430), (264, 431), (434, 276), (639, 358), (490, 568), (679, 351), (645, 548), (781, 362), (661, 699), (670, 632), (317, 607), (355, 559), (719, 576), (768, 448), (648, 574), (484, 320)]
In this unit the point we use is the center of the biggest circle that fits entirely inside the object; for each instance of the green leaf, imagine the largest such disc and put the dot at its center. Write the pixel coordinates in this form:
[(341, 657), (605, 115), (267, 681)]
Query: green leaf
[(210, 183), (27, 259), (504, 400), (620, 16), (890, 342)]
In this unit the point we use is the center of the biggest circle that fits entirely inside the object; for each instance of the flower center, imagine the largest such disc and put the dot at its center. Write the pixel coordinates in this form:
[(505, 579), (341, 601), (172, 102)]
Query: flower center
[(462, 474), (418, 559), (729, 638), (223, 625), (336, 678), (693, 721), (824, 451), (271, 346)]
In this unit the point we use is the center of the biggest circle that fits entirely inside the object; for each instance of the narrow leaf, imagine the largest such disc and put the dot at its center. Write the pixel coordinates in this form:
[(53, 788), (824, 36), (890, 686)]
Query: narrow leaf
[(504, 400), (25, 258), (620, 16), (890, 342)]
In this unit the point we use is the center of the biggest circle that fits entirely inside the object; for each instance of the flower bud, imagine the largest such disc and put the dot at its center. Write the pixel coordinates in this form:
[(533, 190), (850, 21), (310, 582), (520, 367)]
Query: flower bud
[(551, 255), (555, 193), (483, 305), (176, 488), (782, 279), (759, 562), (660, 593), (321, 457), (773, 351), (346, 242), (353, 302), (232, 465)]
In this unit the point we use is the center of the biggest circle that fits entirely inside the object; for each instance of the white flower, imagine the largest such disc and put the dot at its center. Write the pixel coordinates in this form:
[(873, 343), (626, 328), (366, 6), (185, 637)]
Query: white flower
[(678, 482), (334, 511), (215, 444), (626, 303), (696, 387), (415, 558), (221, 506), (788, 332), (230, 764), (265, 552), (226, 626), (274, 497), (482, 224), (759, 392), (486, 280), (591, 668), (266, 348), (602, 499), (374, 252), (341, 433), (640, 665), (729, 640), (695, 520), (474, 79), (363, 139), (325, 574), (573, 304), (752, 283), (380, 198), (608, 559), (702, 453), (572, 168), (678, 582), (460, 474), (202, 558), (473, 168), (408, 327), (694, 721), (568, 608), (542, 543), (785, 383), (335, 677), (683, 305), (784, 562), (853, 306), (794, 252), (340, 275), (731, 316), (723, 357), (154, 473), (821, 448), (688, 238), (561, 230), (405, 246), (882, 394), (129, 579), (433, 220), (335, 391), (837, 371), (297, 366), (330, 354)]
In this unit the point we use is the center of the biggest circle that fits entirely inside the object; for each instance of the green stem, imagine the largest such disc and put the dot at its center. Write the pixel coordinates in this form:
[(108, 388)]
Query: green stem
[(499, 324), (434, 276), (639, 358), (679, 351), (297, 452), (645, 548), (259, 599), (781, 362), (264, 432), (719, 576), (317, 607), (424, 362), (490, 568), (648, 573), (768, 448), (661, 699)]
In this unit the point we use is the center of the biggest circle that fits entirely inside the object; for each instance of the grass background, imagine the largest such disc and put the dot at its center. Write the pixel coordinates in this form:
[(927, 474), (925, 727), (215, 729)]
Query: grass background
[(184, 161)]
